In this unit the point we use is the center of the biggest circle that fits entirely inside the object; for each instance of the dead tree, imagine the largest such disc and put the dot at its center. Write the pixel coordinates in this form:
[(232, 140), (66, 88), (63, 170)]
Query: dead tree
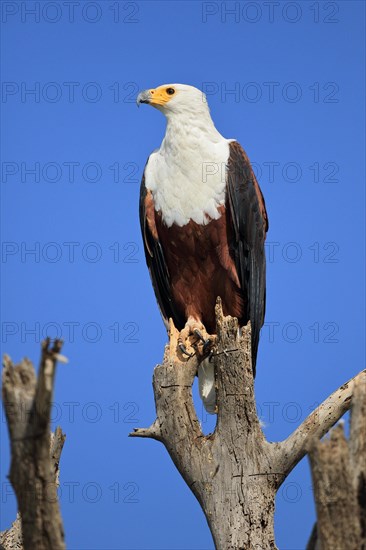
[(35, 453), (234, 472), (338, 468)]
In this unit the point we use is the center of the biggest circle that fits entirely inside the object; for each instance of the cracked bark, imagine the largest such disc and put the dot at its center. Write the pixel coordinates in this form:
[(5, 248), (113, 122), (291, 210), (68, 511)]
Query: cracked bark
[(35, 453), (234, 472), (338, 468)]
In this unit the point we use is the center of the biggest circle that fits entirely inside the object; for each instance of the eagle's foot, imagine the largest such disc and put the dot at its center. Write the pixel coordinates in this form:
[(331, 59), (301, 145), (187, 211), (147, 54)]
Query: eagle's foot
[(207, 343), (194, 339), (183, 349)]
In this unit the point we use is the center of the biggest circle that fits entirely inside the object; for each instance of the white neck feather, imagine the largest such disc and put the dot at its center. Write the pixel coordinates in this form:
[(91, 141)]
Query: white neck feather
[(187, 175)]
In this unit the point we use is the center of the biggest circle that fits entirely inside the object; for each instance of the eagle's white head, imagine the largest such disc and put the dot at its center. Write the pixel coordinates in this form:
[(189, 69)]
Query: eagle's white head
[(176, 99)]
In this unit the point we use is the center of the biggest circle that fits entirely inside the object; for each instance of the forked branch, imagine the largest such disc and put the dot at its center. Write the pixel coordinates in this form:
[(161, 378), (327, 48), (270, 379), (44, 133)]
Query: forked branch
[(234, 472)]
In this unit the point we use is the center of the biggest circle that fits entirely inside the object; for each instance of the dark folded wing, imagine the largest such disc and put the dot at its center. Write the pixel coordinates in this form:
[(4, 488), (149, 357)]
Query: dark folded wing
[(247, 213), (155, 260)]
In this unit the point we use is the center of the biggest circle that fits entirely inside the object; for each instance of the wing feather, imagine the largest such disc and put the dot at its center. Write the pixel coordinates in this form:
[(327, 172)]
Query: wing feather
[(155, 260), (247, 212)]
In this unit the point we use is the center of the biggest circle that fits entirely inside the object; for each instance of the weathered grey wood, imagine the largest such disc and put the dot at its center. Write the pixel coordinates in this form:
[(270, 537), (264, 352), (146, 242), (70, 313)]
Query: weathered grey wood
[(234, 472), (313, 543), (357, 447), (11, 539), (337, 519), (318, 423), (338, 470), (34, 454)]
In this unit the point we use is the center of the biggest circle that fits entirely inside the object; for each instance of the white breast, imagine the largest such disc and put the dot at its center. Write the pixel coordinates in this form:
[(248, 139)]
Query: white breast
[(187, 175)]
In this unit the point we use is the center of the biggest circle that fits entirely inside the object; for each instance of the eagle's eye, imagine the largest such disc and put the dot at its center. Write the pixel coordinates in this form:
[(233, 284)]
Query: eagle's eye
[(170, 91)]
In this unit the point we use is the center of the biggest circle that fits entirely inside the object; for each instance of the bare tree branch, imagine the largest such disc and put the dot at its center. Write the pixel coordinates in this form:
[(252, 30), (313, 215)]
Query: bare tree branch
[(34, 454), (153, 432), (317, 424)]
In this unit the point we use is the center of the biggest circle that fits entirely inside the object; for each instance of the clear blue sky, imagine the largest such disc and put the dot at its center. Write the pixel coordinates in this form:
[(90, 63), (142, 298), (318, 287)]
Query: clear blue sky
[(296, 70)]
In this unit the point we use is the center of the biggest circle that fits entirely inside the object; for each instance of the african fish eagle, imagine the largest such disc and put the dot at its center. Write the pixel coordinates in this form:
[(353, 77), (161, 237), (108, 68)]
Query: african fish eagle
[(204, 223)]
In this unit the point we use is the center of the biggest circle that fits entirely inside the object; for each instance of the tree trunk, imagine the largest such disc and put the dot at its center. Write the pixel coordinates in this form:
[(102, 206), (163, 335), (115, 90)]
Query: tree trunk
[(35, 453), (234, 472), (338, 470)]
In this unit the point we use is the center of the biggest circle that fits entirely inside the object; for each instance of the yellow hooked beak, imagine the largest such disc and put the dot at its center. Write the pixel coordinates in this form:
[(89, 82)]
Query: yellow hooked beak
[(156, 96)]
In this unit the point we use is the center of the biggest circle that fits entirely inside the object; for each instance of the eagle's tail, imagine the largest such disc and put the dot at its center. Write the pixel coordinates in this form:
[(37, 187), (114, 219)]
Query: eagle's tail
[(206, 383)]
